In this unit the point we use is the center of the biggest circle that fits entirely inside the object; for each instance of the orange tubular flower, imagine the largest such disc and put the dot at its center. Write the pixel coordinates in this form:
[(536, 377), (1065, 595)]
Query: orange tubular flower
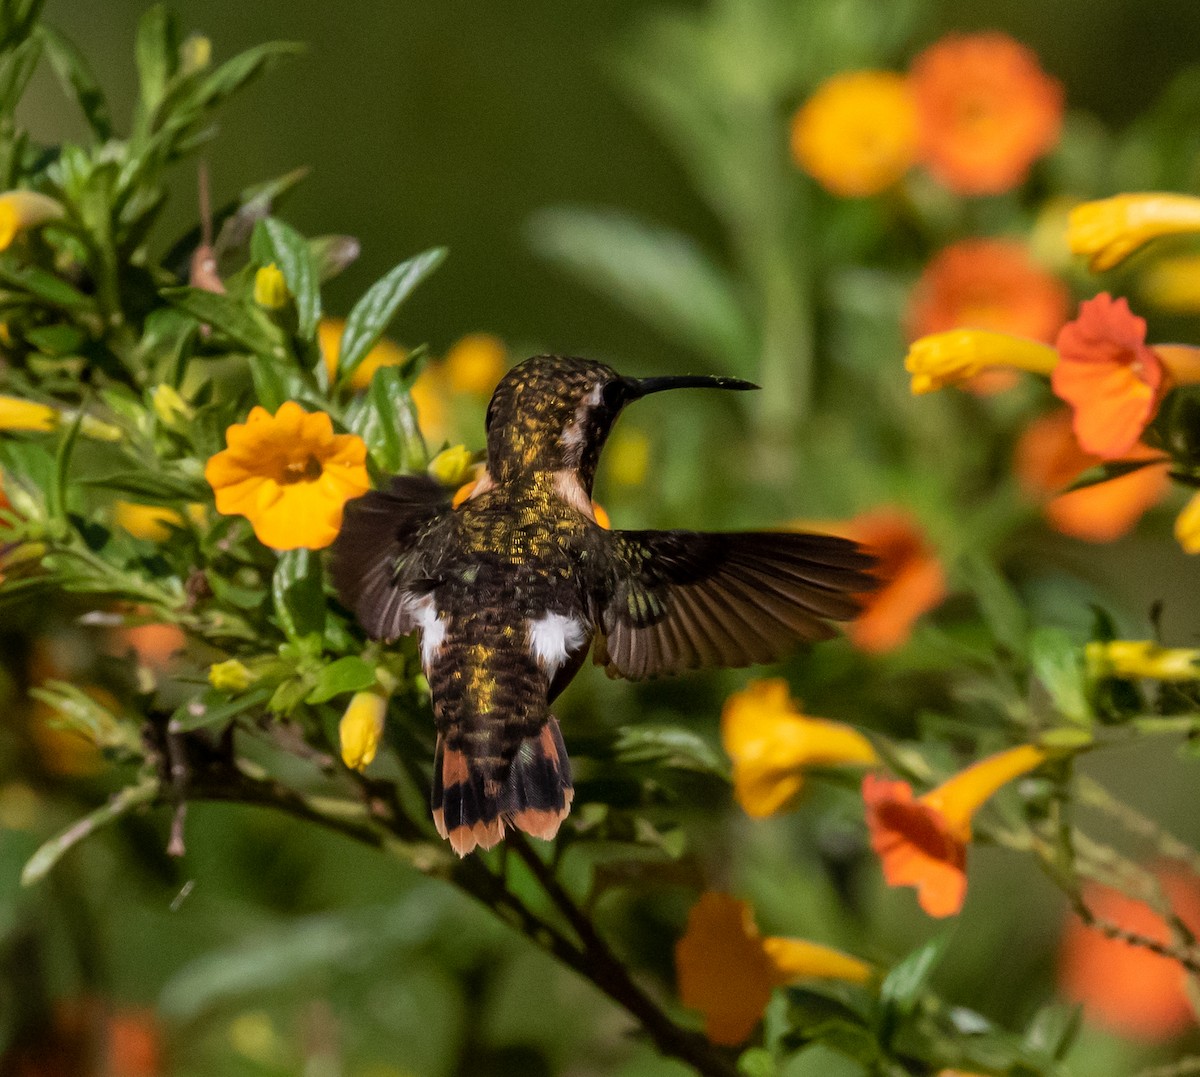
[(914, 581), (986, 111), (772, 745), (290, 475), (1109, 230), (1109, 375), (922, 842), (1127, 988), (727, 970), (857, 135), (1048, 459)]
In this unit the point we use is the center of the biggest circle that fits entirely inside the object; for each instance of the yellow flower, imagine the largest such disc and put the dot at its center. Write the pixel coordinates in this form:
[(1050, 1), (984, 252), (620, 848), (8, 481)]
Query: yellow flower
[(857, 135), (1187, 526), (942, 359), (476, 363), (270, 289), (18, 414), (1173, 284), (23, 210), (628, 457), (1142, 658), (1111, 229), (290, 475), (329, 340), (229, 676), (453, 466), (151, 522), (361, 727), (772, 745), (727, 970)]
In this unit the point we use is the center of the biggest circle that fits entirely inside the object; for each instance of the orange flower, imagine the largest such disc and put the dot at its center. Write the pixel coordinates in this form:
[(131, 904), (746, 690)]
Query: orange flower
[(476, 363), (727, 970), (986, 111), (990, 284), (1109, 375), (329, 341), (1124, 987), (922, 842), (772, 745), (857, 134), (155, 645), (914, 581), (290, 475), (1048, 459)]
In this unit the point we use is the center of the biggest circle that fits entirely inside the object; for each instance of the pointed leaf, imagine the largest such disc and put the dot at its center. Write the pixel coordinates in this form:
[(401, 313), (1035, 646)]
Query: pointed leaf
[(1113, 469), (297, 587), (348, 674), (242, 325), (903, 987), (76, 76)]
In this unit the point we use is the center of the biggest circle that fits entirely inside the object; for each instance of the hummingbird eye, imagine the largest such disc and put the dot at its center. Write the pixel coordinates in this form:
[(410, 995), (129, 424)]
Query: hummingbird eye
[(614, 396)]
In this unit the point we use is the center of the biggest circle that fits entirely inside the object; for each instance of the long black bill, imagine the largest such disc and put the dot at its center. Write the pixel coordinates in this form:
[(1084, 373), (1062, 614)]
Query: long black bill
[(639, 387)]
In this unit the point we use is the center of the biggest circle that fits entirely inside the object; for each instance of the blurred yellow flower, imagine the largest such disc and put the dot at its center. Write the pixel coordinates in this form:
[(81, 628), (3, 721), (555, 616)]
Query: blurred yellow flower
[(329, 341), (361, 728), (1187, 526), (727, 970), (22, 210), (229, 676), (772, 745), (942, 359), (1111, 229), (1142, 658), (1173, 284), (290, 475), (628, 457), (453, 466), (151, 522), (270, 289), (18, 414), (857, 135), (476, 363)]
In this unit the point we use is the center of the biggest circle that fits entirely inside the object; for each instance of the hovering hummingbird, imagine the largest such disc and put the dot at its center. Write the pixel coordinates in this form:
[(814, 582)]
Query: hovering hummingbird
[(510, 589)]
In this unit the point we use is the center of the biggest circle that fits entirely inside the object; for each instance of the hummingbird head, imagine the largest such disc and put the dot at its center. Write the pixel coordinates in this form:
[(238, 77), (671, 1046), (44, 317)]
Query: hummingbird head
[(553, 413)]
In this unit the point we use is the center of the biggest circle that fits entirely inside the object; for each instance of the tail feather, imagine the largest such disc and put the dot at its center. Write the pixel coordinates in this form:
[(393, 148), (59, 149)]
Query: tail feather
[(471, 809)]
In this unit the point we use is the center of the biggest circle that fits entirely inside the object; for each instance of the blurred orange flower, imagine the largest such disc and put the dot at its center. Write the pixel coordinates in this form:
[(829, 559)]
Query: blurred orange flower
[(290, 475), (476, 363), (727, 970), (1048, 459), (857, 134), (986, 111), (329, 341), (922, 842), (155, 645), (1109, 375), (772, 744), (1127, 988), (913, 579)]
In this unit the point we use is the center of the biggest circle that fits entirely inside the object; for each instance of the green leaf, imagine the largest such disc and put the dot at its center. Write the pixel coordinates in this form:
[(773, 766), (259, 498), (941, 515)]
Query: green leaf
[(386, 419), (374, 311), (232, 75), (660, 275), (1053, 1030), (242, 325), (76, 76), (149, 486), (52, 851), (16, 69), (1113, 469), (157, 55), (298, 591), (902, 988), (212, 710), (349, 674), (277, 242), (1058, 664), (57, 501), (45, 286), (670, 746)]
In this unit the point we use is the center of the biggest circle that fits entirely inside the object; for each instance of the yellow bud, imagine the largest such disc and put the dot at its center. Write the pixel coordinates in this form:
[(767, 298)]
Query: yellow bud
[(150, 522), (452, 466), (1142, 658), (195, 54), (18, 414), (361, 728), (23, 210), (229, 676), (270, 289), (97, 429), (169, 406)]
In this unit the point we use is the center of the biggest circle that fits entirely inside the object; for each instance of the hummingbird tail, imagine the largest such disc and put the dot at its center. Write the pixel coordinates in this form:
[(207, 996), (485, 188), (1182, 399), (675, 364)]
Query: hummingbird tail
[(471, 808)]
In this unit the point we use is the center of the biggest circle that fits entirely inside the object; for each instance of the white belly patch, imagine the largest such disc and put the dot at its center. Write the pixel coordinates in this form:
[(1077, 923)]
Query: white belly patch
[(432, 626), (552, 637)]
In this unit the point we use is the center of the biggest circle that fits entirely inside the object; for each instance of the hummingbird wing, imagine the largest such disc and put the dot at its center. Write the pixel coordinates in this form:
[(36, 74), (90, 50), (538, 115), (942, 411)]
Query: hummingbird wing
[(684, 599), (377, 559)]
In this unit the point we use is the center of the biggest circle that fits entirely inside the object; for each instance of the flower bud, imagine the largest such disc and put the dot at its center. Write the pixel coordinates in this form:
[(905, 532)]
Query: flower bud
[(270, 289), (361, 728)]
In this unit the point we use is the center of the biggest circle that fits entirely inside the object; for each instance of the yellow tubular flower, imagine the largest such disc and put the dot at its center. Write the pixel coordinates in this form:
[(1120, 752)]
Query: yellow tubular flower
[(150, 522), (229, 676), (1111, 229), (361, 727), (942, 359), (727, 970), (857, 134), (476, 363), (1142, 658), (1173, 284), (23, 210), (1187, 526), (270, 289), (959, 798), (18, 414), (772, 746)]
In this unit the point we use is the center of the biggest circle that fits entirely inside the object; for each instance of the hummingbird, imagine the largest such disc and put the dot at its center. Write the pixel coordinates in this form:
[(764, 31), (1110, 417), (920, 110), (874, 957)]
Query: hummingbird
[(511, 588)]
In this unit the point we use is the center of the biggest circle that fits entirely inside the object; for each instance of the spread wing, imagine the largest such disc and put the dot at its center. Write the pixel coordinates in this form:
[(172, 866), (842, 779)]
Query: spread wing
[(375, 556), (683, 599)]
